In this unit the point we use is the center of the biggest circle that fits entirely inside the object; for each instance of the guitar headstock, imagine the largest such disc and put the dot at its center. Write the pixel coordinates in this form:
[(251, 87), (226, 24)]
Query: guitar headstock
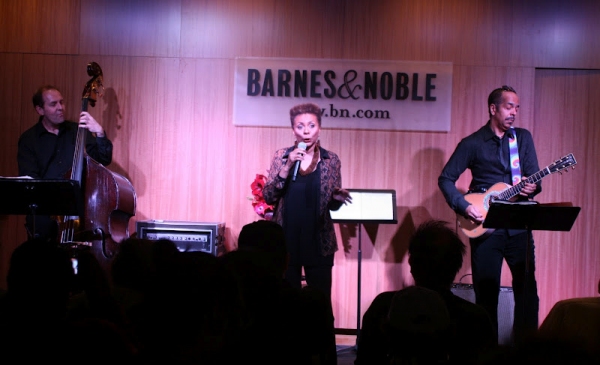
[(93, 88), (563, 164)]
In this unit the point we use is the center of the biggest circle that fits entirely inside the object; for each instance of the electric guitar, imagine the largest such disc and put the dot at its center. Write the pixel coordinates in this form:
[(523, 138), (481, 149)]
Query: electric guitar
[(503, 192)]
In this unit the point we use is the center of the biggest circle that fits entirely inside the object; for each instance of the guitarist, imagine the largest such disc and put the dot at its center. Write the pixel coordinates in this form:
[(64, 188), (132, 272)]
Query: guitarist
[(45, 151), (486, 153)]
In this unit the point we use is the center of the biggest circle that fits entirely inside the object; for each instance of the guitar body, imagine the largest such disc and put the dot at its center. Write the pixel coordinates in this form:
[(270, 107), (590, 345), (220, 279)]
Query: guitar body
[(482, 202), (504, 192)]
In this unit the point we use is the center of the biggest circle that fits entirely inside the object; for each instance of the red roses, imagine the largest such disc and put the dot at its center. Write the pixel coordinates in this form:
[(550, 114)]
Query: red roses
[(261, 207)]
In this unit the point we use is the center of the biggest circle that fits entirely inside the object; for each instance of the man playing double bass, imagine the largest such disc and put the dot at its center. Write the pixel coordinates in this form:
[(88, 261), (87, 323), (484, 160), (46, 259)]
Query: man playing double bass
[(46, 150)]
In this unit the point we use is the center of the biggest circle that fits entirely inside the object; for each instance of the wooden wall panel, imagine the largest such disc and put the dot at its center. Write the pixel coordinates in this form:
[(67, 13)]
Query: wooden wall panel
[(167, 106), (269, 28), (562, 33), (10, 232), (10, 73), (566, 121), (40, 26), (131, 28), (208, 32)]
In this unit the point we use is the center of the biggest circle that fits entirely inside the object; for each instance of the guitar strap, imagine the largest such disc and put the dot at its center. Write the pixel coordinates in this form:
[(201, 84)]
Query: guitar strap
[(515, 166)]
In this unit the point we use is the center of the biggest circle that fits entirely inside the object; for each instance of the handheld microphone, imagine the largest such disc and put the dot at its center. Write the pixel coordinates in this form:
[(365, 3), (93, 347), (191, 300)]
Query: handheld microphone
[(301, 146)]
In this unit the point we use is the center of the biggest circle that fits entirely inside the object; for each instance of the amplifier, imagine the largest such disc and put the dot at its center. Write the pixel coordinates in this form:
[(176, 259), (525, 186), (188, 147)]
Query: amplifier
[(506, 305), (188, 236)]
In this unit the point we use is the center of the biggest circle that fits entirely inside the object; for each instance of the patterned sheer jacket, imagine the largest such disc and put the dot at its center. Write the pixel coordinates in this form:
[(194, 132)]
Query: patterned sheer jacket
[(331, 179)]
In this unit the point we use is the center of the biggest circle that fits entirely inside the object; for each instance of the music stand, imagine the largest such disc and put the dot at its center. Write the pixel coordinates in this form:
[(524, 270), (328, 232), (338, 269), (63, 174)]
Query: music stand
[(539, 217), (531, 216), (40, 197), (368, 206)]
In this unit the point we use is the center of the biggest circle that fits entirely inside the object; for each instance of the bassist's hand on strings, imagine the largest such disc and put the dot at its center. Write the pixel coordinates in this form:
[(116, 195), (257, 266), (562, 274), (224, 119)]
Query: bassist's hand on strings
[(88, 122), (473, 213)]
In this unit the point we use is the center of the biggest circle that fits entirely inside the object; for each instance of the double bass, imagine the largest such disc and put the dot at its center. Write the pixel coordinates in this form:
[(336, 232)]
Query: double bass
[(109, 199)]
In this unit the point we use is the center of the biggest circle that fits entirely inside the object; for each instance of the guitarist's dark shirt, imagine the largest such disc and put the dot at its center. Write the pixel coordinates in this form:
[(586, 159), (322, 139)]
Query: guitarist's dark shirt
[(44, 155), (479, 152)]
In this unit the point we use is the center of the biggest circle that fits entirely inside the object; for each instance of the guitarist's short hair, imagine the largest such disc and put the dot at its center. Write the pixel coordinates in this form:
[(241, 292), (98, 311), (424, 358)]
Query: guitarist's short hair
[(435, 254), (495, 96)]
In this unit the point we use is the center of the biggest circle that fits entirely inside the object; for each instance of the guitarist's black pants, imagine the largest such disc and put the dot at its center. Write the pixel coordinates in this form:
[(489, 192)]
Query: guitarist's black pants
[(487, 254)]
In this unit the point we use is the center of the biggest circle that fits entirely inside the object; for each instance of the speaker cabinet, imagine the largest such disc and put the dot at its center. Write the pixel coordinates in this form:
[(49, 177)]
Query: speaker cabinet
[(187, 236), (506, 305)]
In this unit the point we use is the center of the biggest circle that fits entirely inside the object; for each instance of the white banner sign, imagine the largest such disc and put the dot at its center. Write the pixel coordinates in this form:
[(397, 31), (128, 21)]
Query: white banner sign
[(383, 95)]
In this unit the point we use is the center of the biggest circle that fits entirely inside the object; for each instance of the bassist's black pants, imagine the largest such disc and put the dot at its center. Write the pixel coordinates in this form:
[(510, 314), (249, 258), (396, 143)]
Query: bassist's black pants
[(41, 226)]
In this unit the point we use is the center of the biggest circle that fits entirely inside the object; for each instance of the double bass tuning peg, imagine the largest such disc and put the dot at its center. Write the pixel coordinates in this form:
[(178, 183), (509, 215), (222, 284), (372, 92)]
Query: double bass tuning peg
[(93, 69)]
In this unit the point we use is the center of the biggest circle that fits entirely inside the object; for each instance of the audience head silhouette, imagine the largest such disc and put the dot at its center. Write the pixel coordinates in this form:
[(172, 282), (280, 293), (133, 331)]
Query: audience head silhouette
[(435, 255), (140, 262), (278, 318), (40, 275), (418, 326), (266, 238)]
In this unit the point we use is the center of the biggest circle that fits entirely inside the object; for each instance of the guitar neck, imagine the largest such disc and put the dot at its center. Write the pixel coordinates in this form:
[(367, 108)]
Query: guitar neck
[(516, 189)]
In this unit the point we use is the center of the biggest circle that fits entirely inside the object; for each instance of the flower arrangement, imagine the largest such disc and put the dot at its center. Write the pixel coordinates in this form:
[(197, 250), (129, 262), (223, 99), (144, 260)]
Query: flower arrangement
[(261, 207)]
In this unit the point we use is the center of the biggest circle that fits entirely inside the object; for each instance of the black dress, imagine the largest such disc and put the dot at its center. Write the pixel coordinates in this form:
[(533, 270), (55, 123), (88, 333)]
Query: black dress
[(301, 221)]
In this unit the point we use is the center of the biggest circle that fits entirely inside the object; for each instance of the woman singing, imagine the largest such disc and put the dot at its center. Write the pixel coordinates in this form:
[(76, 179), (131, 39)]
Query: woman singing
[(303, 200)]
